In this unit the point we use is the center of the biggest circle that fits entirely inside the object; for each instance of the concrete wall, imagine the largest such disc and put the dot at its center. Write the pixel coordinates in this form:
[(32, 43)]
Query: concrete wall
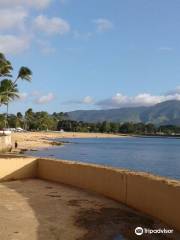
[(156, 196), (5, 143), (18, 168), (106, 181), (152, 195)]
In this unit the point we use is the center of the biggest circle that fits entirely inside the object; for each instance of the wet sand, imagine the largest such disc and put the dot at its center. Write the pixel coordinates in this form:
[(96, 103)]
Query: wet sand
[(37, 140)]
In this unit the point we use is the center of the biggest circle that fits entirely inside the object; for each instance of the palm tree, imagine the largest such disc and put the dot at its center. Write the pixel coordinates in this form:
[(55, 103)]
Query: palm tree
[(5, 67), (8, 93), (24, 74), (8, 87)]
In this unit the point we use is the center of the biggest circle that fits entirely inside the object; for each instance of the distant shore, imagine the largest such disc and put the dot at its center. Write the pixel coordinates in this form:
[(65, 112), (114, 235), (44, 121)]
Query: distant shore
[(36, 140)]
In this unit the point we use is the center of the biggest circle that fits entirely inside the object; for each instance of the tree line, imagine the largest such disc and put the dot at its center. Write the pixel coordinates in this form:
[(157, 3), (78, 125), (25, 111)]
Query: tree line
[(40, 121)]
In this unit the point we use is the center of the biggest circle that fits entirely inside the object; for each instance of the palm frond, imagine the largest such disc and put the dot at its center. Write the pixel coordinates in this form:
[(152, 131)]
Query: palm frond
[(25, 74)]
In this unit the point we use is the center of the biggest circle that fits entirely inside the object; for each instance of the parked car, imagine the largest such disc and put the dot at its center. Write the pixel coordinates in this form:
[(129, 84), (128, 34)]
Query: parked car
[(19, 129)]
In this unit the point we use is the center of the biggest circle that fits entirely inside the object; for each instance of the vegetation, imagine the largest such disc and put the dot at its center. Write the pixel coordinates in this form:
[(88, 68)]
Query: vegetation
[(36, 121), (8, 85)]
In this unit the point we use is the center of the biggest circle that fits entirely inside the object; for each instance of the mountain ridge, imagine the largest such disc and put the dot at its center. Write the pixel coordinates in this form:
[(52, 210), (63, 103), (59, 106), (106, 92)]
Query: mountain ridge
[(164, 113)]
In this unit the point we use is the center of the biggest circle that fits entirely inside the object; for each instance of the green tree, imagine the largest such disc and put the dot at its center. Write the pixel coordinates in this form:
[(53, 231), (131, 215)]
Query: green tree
[(28, 119), (24, 74), (9, 92), (114, 127), (8, 87), (19, 120), (150, 129), (5, 66), (19, 115), (105, 127), (127, 128)]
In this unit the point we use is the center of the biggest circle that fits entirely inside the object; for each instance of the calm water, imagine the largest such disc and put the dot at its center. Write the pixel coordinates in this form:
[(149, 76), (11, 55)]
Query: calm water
[(160, 156)]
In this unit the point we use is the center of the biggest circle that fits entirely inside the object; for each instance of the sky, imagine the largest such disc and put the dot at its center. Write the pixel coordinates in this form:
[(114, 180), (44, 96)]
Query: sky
[(92, 54)]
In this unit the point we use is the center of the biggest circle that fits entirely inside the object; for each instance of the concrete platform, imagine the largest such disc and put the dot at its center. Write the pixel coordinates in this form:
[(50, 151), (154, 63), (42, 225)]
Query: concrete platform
[(40, 210)]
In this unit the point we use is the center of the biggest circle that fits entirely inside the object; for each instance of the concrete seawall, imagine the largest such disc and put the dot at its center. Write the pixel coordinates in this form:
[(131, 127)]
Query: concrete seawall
[(5, 143), (17, 168), (152, 195), (156, 196)]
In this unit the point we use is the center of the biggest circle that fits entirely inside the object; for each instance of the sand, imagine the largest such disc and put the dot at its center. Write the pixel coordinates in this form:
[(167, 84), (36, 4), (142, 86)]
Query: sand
[(37, 140)]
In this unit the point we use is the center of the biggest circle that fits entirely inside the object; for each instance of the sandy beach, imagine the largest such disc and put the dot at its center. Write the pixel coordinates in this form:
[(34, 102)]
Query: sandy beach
[(37, 140)]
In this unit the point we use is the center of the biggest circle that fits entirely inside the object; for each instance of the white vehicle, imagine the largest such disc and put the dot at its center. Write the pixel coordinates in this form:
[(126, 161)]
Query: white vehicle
[(19, 129)]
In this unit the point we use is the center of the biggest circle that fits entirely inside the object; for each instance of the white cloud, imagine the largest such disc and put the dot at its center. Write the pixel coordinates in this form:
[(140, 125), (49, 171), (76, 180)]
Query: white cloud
[(53, 25), (88, 100), (13, 44), (122, 101), (103, 24), (38, 4), (143, 99), (12, 18), (45, 99)]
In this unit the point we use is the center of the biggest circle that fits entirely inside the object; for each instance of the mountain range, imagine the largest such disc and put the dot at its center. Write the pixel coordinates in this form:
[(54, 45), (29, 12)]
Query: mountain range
[(164, 113)]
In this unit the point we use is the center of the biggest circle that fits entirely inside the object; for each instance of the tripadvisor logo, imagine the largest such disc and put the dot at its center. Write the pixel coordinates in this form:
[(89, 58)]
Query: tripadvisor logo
[(139, 231)]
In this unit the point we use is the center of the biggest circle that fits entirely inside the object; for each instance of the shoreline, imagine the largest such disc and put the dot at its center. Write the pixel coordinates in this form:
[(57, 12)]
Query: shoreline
[(33, 141)]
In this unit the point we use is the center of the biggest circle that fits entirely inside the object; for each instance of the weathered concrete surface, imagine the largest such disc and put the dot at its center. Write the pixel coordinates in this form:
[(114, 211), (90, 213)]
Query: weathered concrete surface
[(156, 196), (42, 210), (5, 143)]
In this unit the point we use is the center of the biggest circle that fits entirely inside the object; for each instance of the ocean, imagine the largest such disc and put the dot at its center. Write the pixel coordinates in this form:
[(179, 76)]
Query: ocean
[(159, 156)]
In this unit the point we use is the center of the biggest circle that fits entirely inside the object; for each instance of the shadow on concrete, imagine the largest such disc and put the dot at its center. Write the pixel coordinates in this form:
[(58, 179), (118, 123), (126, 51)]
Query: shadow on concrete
[(68, 213)]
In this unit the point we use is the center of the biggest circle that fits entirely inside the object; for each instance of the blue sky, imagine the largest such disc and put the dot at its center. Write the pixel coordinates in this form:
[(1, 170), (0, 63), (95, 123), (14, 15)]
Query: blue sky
[(93, 54)]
